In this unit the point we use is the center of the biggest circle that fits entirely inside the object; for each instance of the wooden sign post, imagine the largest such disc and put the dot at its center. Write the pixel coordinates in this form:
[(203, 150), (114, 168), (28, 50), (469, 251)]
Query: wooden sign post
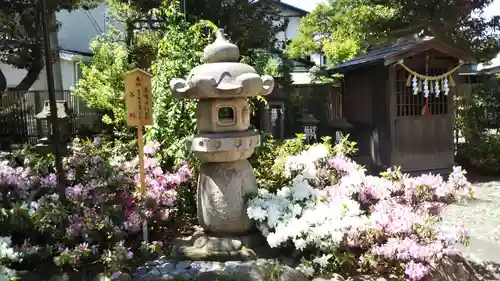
[(138, 99)]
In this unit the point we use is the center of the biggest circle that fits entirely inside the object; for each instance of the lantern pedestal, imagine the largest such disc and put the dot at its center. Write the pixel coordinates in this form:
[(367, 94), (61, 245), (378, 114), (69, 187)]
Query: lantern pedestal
[(339, 127)]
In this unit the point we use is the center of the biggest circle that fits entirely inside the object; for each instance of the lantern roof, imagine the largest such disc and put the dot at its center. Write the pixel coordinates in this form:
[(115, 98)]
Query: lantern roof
[(222, 76)]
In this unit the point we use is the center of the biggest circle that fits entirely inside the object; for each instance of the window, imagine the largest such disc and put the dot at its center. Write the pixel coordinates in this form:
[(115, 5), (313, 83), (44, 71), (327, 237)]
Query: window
[(78, 71), (226, 116), (408, 104)]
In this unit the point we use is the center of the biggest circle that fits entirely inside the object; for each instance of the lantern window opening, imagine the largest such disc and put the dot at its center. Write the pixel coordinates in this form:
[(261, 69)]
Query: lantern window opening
[(226, 116)]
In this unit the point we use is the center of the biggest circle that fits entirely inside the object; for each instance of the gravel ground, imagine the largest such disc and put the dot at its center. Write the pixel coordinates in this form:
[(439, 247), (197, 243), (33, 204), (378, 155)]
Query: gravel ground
[(481, 215)]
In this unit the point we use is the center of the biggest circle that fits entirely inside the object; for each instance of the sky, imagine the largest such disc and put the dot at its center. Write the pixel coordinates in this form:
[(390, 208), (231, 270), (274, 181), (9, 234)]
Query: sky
[(309, 5), (494, 9)]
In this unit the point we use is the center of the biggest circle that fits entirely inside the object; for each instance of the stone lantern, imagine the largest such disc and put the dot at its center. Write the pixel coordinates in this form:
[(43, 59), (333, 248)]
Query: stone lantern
[(44, 145), (340, 127), (222, 86), (309, 125)]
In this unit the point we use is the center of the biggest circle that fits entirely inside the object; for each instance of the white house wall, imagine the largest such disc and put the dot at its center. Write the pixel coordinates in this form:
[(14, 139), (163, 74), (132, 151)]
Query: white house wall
[(68, 74), (76, 31), (318, 59), (294, 19), (14, 76), (491, 64), (291, 32)]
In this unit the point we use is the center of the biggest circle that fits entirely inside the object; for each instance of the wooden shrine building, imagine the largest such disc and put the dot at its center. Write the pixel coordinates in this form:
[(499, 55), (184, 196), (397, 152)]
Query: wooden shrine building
[(384, 98)]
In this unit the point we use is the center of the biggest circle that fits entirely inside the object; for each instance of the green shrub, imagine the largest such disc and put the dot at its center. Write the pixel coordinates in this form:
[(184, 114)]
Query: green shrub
[(100, 222), (268, 159), (479, 123), (483, 154)]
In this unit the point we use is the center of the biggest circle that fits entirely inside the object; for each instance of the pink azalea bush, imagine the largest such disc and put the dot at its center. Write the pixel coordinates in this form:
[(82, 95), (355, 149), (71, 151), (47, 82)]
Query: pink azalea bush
[(103, 216), (341, 220)]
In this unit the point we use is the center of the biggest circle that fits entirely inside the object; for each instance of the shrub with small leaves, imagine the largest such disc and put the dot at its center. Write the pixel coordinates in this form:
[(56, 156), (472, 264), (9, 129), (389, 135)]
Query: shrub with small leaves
[(102, 218)]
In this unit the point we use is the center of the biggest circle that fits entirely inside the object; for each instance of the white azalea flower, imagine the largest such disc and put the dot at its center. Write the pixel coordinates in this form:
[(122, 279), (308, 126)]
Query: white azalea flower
[(306, 270), (323, 260), (295, 213), (284, 192), (296, 210), (273, 240), (300, 244), (6, 250), (301, 189), (317, 152), (257, 213), (263, 192)]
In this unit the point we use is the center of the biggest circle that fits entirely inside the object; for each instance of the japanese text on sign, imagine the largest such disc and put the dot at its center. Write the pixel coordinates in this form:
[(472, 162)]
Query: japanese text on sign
[(138, 98)]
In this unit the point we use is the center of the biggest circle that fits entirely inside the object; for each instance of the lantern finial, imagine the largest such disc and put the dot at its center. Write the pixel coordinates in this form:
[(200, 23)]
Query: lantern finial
[(221, 50)]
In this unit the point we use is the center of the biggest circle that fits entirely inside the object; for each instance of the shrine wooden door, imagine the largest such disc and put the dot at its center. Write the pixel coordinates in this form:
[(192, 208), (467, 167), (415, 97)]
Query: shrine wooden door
[(419, 142)]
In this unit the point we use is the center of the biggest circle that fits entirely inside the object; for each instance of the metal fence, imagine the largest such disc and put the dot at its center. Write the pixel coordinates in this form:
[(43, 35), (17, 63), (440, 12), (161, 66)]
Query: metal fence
[(17, 116)]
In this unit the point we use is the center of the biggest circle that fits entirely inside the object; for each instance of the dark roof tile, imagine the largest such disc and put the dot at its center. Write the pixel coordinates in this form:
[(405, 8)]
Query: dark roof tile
[(377, 55), (294, 8)]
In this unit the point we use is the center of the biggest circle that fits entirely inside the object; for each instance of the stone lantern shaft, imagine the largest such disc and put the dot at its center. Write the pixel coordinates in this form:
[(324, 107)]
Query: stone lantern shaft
[(224, 142)]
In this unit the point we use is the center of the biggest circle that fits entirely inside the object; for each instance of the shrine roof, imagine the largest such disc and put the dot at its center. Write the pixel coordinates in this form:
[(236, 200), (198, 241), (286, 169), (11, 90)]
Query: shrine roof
[(400, 49), (293, 8)]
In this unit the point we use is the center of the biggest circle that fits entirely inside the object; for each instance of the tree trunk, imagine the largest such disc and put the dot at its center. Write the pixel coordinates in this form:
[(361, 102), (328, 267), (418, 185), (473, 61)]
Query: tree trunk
[(30, 78), (57, 71), (34, 71), (36, 66), (3, 81), (129, 34)]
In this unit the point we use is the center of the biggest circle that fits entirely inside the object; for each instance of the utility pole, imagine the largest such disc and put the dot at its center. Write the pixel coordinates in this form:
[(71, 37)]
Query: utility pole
[(183, 8), (61, 185)]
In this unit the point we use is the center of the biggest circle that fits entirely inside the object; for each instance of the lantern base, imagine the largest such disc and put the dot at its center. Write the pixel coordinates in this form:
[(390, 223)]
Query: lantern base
[(211, 247)]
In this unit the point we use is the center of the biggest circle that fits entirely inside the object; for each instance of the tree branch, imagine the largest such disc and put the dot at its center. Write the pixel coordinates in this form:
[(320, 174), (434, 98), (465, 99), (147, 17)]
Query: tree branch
[(3, 81)]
